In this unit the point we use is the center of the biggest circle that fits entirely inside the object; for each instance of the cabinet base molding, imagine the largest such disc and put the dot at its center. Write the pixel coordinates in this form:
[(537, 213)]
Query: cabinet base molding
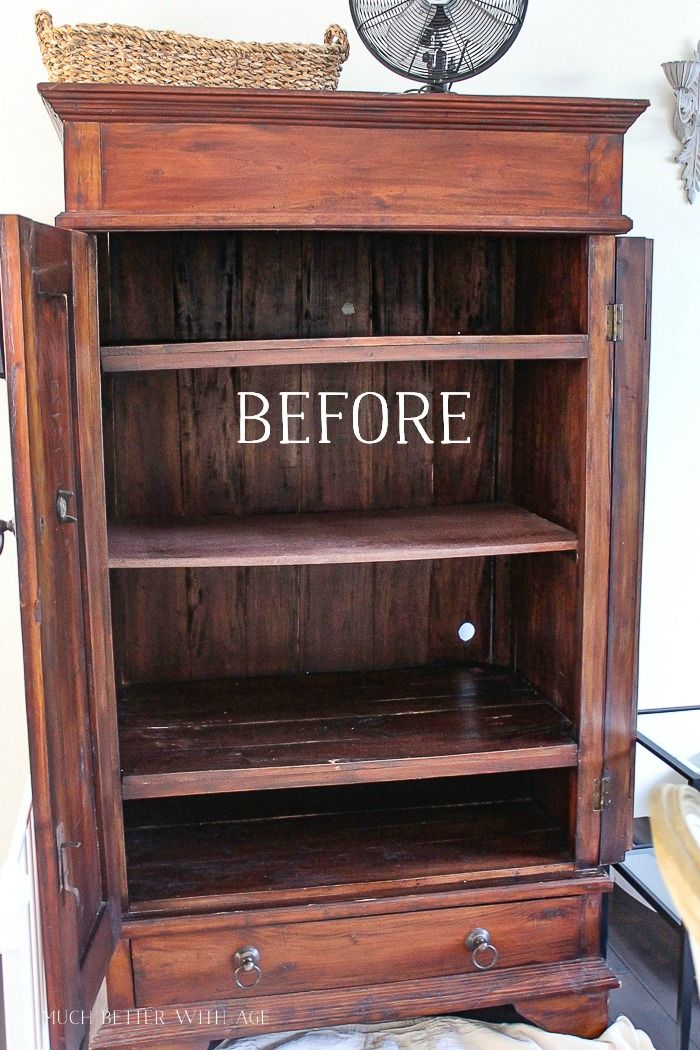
[(584, 1014), (583, 984)]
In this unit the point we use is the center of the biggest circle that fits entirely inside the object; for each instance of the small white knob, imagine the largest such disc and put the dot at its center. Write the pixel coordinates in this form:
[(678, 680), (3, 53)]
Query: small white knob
[(467, 631)]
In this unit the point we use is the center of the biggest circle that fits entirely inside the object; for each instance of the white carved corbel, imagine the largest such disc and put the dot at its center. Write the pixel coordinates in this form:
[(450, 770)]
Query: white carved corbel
[(684, 78)]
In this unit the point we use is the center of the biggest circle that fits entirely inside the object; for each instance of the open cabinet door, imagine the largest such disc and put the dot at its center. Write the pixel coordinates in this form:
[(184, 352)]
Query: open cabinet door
[(631, 370), (49, 315)]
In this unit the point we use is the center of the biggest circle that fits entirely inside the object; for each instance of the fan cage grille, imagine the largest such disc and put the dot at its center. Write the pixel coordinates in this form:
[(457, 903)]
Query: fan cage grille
[(438, 43)]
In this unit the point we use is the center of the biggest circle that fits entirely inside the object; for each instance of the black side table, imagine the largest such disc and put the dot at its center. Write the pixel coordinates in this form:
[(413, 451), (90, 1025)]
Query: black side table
[(656, 733)]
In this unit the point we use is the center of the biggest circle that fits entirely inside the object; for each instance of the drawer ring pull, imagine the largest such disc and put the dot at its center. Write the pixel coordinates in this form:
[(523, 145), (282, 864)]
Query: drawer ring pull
[(484, 954), (247, 972)]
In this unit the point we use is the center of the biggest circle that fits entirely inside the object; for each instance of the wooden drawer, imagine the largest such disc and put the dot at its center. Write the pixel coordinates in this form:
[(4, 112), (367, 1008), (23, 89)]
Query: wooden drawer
[(197, 963)]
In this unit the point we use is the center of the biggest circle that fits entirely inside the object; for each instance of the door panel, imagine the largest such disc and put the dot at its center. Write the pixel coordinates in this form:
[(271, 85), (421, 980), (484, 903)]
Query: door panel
[(631, 367), (51, 346), (62, 634)]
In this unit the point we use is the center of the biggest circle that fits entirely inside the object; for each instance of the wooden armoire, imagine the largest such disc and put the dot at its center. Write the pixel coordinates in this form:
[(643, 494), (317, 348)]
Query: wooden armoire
[(334, 726)]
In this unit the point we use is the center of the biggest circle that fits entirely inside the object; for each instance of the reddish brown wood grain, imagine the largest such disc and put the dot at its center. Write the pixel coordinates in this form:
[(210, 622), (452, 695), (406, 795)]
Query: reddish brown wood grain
[(203, 146), (48, 320), (242, 734), (297, 598), (95, 572), (470, 530), (244, 353), (141, 283), (631, 364), (584, 1014), (404, 999), (594, 555), (120, 978), (334, 953), (194, 623), (549, 423), (83, 177), (401, 278), (418, 839), (337, 190), (540, 265), (590, 884), (119, 102), (544, 621)]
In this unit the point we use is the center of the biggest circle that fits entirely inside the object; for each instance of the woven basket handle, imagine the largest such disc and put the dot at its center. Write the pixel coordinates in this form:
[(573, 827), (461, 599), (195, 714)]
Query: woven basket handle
[(43, 23), (335, 36)]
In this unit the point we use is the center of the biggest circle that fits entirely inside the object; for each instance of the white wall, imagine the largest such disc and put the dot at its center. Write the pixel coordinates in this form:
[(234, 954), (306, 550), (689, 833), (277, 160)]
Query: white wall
[(601, 47), (24, 987)]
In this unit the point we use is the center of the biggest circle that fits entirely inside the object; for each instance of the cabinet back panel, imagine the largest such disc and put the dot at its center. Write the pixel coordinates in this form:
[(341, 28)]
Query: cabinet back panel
[(365, 799), (403, 837), (173, 451), (209, 285), (173, 440), (180, 624), (195, 624)]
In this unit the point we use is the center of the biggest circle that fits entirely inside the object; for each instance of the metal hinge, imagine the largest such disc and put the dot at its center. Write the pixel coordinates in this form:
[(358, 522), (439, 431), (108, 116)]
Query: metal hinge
[(615, 322), (601, 794)]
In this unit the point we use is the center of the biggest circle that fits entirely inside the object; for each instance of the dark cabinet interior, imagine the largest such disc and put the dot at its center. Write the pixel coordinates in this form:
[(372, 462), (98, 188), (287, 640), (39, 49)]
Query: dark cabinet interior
[(343, 630)]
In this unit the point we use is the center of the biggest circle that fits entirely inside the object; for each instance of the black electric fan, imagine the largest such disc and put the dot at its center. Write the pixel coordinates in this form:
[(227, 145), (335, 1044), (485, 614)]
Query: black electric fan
[(440, 42)]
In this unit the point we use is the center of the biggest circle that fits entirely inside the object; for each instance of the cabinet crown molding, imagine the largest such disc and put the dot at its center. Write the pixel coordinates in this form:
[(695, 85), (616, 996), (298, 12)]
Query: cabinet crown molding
[(109, 103)]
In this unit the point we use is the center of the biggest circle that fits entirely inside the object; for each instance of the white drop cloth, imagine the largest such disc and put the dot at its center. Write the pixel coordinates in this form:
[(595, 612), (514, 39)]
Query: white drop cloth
[(443, 1033)]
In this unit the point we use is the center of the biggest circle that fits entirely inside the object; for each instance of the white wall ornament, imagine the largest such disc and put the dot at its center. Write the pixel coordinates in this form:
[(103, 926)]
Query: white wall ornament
[(684, 78)]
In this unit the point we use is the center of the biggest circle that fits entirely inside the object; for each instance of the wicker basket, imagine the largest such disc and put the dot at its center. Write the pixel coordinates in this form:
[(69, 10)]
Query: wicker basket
[(117, 54)]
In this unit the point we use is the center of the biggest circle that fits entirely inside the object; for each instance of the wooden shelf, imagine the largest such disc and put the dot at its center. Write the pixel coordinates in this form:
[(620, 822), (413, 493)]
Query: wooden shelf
[(253, 352), (250, 857), (465, 531), (244, 734)]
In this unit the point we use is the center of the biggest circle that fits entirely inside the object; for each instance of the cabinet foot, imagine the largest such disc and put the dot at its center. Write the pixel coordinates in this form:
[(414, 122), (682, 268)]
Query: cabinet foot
[(583, 1014)]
